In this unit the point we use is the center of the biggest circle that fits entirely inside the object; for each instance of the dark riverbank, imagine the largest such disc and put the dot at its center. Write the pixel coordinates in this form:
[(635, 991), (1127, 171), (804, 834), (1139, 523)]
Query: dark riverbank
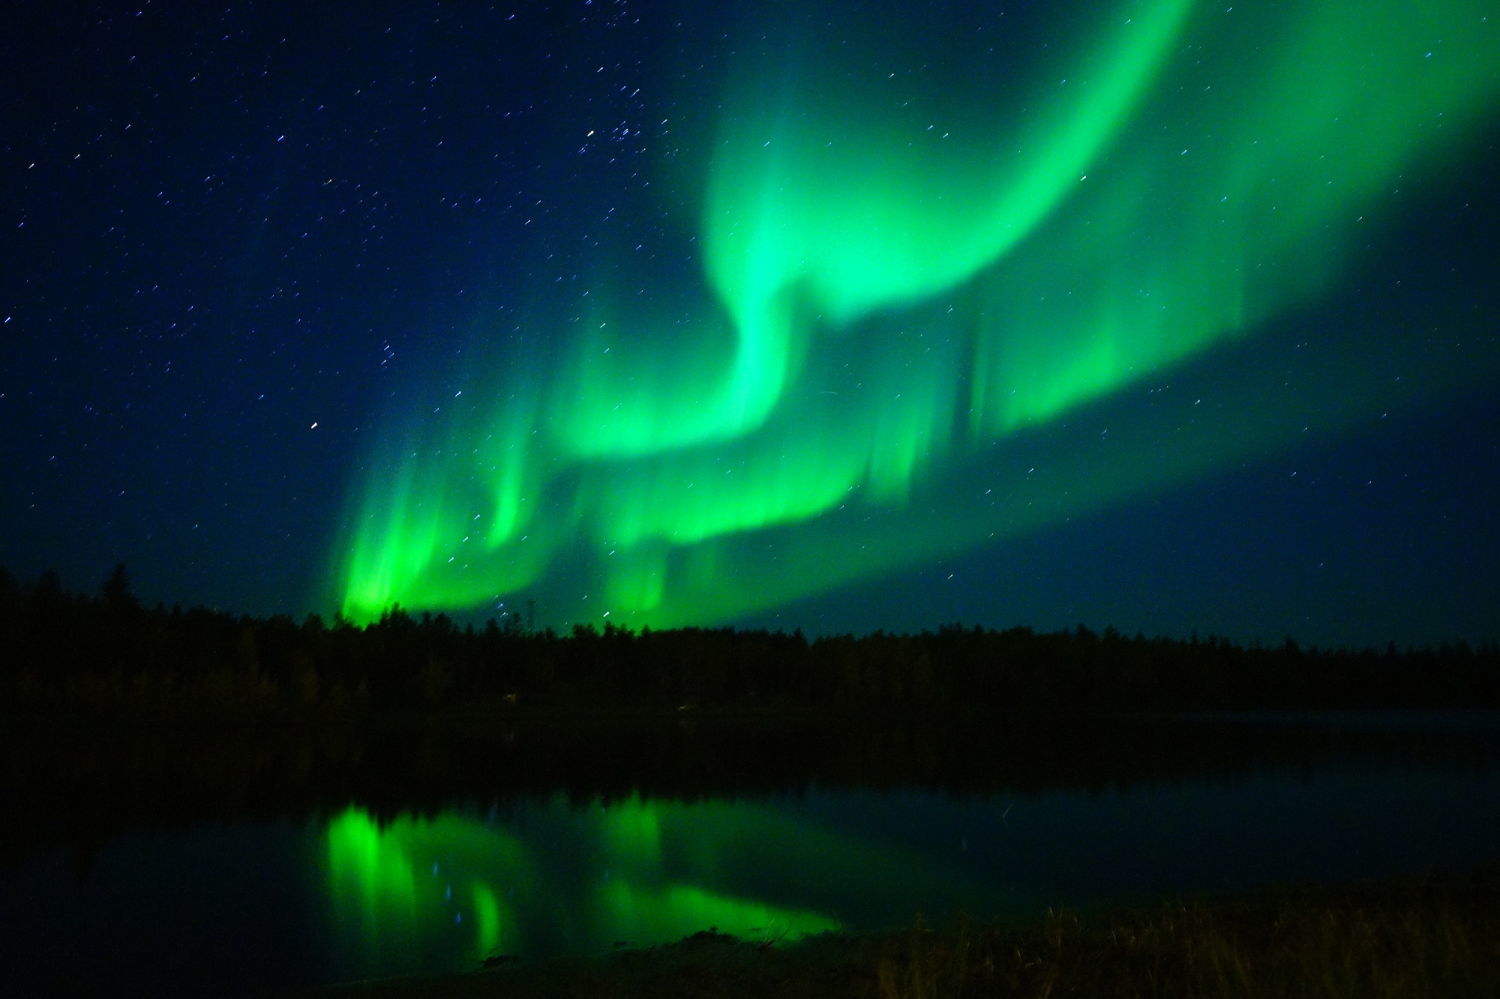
[(1431, 936)]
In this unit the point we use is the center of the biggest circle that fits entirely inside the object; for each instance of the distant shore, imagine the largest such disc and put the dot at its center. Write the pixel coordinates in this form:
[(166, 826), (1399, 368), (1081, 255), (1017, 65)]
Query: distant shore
[(72, 652), (1437, 935)]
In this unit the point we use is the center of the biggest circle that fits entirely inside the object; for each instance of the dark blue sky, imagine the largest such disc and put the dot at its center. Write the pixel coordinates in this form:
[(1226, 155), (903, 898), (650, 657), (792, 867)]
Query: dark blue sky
[(238, 246)]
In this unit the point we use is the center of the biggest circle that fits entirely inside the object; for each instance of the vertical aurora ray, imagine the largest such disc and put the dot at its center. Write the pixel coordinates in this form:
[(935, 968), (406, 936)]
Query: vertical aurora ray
[(911, 276)]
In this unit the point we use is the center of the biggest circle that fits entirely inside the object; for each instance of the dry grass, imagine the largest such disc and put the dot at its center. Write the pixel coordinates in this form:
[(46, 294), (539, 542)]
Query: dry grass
[(1416, 939)]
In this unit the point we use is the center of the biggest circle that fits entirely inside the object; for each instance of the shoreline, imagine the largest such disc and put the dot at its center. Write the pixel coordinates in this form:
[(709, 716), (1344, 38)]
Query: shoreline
[(1435, 934)]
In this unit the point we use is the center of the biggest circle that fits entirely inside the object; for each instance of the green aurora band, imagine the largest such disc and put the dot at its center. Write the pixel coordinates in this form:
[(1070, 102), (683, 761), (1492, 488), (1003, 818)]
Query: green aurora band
[(905, 282)]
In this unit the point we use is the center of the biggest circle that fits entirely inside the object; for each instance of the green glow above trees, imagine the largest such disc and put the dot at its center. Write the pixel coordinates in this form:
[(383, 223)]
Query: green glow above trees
[(906, 282)]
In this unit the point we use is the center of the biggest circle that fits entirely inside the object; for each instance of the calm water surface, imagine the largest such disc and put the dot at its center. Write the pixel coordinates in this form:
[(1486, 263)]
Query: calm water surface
[(345, 894)]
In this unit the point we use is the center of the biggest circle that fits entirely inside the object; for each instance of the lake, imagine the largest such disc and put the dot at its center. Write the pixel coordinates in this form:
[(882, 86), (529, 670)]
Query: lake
[(171, 877)]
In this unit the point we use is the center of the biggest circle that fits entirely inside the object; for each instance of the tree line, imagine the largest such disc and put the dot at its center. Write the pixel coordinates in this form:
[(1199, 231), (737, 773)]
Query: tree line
[(63, 649)]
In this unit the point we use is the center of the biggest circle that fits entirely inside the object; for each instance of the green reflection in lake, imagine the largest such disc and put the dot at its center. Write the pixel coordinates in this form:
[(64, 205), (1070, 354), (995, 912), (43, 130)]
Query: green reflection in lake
[(450, 890), (391, 891)]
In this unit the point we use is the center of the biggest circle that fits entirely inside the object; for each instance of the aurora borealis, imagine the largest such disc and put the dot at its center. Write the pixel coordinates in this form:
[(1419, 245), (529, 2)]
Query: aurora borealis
[(1162, 315), (900, 282)]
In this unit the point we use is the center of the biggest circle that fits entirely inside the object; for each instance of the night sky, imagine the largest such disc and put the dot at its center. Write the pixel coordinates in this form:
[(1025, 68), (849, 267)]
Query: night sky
[(1168, 316)]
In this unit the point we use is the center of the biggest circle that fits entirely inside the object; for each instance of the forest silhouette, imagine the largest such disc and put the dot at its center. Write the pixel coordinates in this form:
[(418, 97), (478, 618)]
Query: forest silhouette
[(64, 650)]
